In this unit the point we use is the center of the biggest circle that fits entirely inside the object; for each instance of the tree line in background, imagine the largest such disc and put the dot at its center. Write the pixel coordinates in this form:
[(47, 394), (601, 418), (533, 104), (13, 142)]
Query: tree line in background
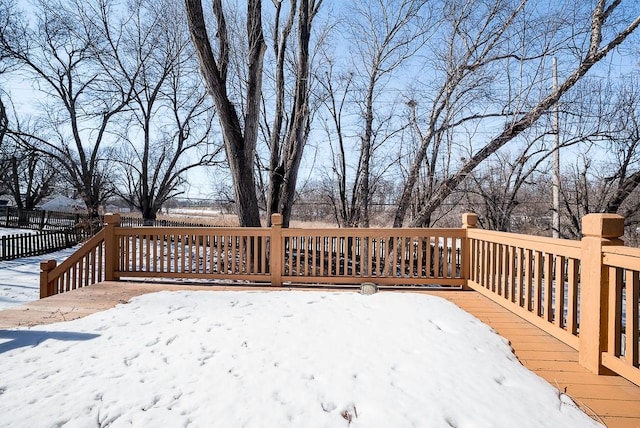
[(376, 112)]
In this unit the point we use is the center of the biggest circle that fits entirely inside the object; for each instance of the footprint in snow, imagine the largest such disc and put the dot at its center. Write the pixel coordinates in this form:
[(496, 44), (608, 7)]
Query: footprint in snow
[(328, 406), (128, 360)]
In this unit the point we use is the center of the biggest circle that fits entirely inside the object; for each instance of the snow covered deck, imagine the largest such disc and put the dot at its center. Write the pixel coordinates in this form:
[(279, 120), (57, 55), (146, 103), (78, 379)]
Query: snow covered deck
[(611, 400)]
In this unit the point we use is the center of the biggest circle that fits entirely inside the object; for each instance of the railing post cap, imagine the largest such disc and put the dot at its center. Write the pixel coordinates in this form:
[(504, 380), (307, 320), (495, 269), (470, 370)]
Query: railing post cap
[(276, 219), (112, 218), (604, 225), (48, 265), (469, 220)]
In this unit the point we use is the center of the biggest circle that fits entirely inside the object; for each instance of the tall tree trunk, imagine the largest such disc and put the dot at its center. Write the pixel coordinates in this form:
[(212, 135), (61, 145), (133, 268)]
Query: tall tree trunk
[(285, 161), (364, 192), (240, 144), (297, 138)]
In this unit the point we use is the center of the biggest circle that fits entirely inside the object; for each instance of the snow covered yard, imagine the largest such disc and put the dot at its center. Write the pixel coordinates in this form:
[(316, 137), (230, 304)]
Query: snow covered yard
[(273, 359), (20, 278), (6, 231)]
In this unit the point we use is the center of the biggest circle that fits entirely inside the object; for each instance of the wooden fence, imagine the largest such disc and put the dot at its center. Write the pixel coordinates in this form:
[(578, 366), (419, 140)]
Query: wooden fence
[(11, 217), (585, 293), (36, 244), (40, 220), (389, 257)]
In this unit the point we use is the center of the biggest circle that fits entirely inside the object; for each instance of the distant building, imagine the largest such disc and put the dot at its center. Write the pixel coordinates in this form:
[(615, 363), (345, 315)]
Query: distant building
[(64, 204)]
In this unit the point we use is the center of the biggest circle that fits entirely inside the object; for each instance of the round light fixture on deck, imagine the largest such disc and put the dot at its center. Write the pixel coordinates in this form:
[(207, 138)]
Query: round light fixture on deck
[(367, 288)]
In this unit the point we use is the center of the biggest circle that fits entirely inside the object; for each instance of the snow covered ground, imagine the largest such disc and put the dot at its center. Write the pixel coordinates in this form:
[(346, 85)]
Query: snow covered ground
[(267, 359), (4, 231), (273, 359), (20, 278)]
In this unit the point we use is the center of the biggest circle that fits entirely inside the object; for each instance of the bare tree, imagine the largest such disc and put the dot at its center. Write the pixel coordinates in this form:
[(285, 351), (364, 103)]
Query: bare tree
[(388, 34), (383, 37), (508, 182), (289, 130), (26, 175), (59, 52), (575, 197), (238, 96), (30, 177), (480, 38), (625, 146), (606, 173), (239, 132), (4, 122), (168, 119), (344, 198), (11, 33), (501, 182)]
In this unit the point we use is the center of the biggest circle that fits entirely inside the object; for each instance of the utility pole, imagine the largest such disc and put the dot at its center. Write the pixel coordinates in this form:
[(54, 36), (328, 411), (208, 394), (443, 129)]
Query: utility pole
[(556, 157)]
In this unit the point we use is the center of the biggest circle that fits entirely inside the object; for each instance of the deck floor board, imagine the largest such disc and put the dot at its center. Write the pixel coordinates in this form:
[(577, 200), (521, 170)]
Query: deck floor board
[(610, 399)]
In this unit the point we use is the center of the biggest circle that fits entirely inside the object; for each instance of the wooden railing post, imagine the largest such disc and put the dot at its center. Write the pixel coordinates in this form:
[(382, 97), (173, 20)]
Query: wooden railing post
[(469, 221), (111, 249), (46, 289), (276, 254), (598, 230)]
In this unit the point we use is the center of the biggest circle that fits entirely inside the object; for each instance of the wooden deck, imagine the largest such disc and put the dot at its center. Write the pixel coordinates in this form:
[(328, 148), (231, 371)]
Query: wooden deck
[(611, 400)]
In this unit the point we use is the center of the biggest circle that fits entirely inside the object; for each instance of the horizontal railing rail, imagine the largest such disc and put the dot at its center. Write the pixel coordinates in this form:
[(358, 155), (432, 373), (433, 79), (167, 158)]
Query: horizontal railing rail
[(537, 278)]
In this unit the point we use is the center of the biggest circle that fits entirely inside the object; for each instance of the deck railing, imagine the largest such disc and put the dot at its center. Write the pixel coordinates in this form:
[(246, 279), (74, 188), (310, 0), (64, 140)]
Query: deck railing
[(83, 268), (538, 278), (280, 255), (192, 253), (388, 257), (585, 293), (623, 271)]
